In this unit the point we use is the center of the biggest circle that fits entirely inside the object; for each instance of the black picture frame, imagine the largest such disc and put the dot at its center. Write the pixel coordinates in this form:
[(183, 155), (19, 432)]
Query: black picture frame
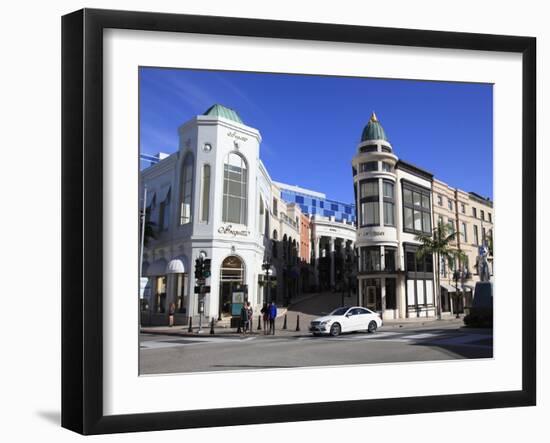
[(82, 186)]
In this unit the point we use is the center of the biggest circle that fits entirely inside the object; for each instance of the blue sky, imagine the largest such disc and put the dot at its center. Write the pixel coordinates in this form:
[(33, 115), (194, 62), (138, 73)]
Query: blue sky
[(311, 125)]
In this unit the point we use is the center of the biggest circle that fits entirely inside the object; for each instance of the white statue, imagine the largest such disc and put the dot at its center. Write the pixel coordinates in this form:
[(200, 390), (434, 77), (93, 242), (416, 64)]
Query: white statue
[(482, 263)]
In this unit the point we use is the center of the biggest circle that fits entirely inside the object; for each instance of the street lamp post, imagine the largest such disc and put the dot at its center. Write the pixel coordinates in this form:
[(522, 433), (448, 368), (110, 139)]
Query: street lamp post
[(266, 266)]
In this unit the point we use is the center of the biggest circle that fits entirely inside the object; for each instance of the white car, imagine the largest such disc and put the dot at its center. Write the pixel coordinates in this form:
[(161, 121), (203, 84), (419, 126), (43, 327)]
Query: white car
[(346, 319)]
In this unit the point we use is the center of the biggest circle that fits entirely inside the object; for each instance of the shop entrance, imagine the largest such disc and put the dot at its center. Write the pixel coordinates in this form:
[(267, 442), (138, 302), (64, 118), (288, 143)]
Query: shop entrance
[(232, 290), (372, 294)]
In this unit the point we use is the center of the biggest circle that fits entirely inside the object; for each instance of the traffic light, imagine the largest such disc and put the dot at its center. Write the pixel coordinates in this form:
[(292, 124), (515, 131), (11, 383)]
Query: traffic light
[(198, 268), (206, 268)]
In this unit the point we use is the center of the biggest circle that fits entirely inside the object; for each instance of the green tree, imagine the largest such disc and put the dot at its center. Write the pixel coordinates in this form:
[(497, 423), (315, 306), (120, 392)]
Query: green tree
[(438, 244)]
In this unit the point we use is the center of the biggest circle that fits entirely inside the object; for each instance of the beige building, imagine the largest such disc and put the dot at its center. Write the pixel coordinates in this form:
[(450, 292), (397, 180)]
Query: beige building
[(472, 216)]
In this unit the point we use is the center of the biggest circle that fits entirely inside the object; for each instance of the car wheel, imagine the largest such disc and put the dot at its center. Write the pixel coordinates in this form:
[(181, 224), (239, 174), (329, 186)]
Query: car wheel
[(335, 329), (372, 326)]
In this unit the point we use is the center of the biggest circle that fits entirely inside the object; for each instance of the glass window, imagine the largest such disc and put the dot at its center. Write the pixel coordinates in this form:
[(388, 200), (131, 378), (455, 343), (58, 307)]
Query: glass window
[(370, 213), (369, 148), (370, 259), (482, 214), (490, 217), (369, 188), (416, 198), (389, 216), (463, 232), (407, 196), (186, 189), (476, 235), (386, 149), (368, 167), (274, 206), (439, 220), (205, 201), (390, 294), (426, 222), (417, 221), (334, 207), (450, 203), (235, 189), (474, 212), (409, 218), (388, 189), (451, 224), (299, 199), (386, 167), (439, 200), (389, 259), (425, 201), (463, 208)]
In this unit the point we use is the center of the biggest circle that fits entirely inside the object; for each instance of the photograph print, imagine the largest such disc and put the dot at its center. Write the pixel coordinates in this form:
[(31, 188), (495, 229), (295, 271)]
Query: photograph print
[(291, 221)]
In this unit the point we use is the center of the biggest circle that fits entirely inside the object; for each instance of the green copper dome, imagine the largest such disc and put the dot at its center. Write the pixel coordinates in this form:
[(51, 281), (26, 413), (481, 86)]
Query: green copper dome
[(373, 130), (222, 111)]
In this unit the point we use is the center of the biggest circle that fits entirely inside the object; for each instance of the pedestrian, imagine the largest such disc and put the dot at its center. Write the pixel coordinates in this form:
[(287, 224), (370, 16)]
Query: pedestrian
[(171, 311), (244, 318), (265, 317), (250, 313), (272, 317)]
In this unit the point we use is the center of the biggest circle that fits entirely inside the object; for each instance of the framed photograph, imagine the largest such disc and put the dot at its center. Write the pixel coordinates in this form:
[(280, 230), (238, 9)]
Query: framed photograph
[(269, 221)]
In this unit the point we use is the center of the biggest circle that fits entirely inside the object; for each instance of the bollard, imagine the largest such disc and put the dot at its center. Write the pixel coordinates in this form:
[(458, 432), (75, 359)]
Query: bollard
[(297, 323), (259, 322), (284, 323), (212, 326), (190, 329)]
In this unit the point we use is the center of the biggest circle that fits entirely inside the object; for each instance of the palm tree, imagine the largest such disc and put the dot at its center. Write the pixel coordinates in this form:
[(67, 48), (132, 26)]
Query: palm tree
[(439, 244)]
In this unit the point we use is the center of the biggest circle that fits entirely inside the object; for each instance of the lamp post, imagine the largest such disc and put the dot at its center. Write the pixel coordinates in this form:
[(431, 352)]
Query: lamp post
[(266, 266)]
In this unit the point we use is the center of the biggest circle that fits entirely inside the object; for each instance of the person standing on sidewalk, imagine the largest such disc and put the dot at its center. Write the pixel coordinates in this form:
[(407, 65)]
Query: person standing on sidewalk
[(244, 318), (272, 317), (250, 313)]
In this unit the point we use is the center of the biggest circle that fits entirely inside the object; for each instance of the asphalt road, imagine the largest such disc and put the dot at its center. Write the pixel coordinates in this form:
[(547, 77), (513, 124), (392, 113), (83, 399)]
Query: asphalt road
[(161, 354)]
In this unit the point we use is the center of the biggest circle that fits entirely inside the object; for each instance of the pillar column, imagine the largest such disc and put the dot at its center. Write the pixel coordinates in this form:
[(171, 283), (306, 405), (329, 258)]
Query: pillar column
[(332, 259)]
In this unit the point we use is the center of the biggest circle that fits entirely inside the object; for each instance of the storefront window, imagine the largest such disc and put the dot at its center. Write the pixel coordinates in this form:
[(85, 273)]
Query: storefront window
[(160, 294), (181, 293), (370, 259), (389, 259), (390, 294)]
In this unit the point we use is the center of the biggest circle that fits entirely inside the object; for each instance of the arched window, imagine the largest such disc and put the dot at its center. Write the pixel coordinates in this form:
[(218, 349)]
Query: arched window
[(186, 189), (205, 198), (235, 179)]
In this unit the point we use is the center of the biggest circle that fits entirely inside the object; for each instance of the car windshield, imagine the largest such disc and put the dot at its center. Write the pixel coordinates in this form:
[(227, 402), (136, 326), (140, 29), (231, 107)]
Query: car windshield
[(339, 311)]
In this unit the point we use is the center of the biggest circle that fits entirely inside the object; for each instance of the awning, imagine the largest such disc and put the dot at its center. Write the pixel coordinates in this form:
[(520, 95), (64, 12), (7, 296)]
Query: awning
[(163, 193), (156, 268), (448, 288), (177, 265)]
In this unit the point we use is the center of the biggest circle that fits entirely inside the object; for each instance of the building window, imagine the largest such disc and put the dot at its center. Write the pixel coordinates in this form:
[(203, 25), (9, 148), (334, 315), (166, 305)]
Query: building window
[(476, 235), (389, 203), (416, 209), (474, 212), (490, 217), (368, 167), (463, 208), (439, 200), (451, 224), (414, 263), (450, 204), (386, 148), (205, 200), (390, 294), (274, 206), (299, 199), (463, 232), (369, 148), (313, 202), (439, 220), (482, 214), (387, 167), (164, 212), (370, 259), (483, 235), (186, 189), (370, 208), (235, 178), (389, 259), (334, 207)]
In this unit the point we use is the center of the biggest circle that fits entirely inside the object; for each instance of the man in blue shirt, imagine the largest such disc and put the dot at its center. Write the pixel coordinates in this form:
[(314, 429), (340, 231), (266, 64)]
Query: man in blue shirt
[(272, 317)]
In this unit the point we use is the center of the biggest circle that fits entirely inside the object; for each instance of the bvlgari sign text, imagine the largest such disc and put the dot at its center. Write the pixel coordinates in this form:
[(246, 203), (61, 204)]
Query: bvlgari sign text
[(236, 136), (228, 229)]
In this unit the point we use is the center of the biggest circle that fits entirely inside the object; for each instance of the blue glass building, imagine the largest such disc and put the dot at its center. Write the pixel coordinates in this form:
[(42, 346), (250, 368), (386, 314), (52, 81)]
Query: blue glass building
[(316, 203)]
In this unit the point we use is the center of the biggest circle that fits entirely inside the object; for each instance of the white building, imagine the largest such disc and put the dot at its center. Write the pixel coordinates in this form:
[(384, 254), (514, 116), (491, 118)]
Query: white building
[(211, 198), (393, 201)]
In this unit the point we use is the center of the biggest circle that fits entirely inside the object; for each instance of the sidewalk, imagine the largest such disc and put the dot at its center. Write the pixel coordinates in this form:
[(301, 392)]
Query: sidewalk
[(291, 327)]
